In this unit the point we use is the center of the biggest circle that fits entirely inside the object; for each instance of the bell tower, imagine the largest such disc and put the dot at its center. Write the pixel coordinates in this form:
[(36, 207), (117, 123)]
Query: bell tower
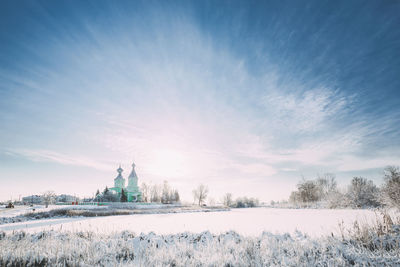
[(133, 179), (119, 181)]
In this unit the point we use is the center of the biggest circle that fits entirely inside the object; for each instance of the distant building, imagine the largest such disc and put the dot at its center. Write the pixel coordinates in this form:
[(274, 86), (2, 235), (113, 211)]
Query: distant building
[(34, 199), (66, 198), (88, 199), (132, 190)]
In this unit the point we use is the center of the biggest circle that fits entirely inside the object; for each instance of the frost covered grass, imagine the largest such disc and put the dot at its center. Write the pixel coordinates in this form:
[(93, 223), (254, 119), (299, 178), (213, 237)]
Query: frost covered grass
[(361, 244), (95, 211), (383, 234), (188, 249)]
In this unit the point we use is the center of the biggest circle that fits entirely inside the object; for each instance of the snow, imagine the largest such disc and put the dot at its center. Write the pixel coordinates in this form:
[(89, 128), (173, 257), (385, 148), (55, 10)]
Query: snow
[(248, 222), (20, 210), (240, 237), (187, 249)]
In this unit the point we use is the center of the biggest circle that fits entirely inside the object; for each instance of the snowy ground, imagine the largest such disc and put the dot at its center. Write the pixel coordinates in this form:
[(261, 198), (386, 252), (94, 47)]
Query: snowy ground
[(53, 248), (259, 238), (20, 210), (248, 222)]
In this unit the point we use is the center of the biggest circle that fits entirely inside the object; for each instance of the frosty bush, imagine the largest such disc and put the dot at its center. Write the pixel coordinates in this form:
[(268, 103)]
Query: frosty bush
[(336, 199), (48, 198), (240, 202), (362, 193), (245, 202), (309, 191), (390, 193)]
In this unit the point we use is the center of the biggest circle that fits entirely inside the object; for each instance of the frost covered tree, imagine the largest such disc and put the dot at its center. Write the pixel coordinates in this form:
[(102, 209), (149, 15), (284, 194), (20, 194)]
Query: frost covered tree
[(326, 184), (166, 193), (362, 193), (308, 191), (390, 193), (336, 199), (200, 193), (48, 198), (322, 188), (176, 196), (211, 201), (155, 195), (145, 189), (245, 202), (227, 200), (159, 193), (295, 197)]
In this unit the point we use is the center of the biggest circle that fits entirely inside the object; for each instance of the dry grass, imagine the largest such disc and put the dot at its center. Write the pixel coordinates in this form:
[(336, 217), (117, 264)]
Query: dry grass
[(363, 245), (383, 234), (104, 211)]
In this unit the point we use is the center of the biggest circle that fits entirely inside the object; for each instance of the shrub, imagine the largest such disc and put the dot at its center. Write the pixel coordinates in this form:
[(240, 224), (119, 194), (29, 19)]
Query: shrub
[(390, 193), (362, 193)]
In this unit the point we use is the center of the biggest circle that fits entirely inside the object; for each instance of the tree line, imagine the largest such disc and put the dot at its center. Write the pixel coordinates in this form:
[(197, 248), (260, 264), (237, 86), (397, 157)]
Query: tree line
[(163, 193), (360, 193), (240, 202), (201, 192)]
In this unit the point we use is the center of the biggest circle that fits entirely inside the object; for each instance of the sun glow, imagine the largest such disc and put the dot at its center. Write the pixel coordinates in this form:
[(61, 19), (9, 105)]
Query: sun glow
[(168, 163)]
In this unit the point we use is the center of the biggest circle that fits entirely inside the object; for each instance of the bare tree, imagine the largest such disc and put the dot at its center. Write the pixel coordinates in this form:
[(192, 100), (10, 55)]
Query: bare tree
[(48, 197), (200, 193), (391, 189), (326, 185), (227, 199), (211, 201), (362, 193), (176, 196), (336, 199), (295, 197), (166, 193), (308, 191), (245, 202), (145, 188), (163, 193), (155, 193)]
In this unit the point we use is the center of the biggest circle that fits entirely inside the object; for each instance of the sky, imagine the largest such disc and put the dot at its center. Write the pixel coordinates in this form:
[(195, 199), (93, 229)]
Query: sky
[(246, 97)]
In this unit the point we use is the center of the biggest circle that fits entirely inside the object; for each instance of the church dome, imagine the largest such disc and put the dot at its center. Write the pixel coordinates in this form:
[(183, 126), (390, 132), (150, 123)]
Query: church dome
[(119, 176)]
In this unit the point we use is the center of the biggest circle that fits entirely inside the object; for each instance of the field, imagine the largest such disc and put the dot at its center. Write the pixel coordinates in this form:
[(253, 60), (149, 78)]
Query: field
[(252, 222), (239, 237)]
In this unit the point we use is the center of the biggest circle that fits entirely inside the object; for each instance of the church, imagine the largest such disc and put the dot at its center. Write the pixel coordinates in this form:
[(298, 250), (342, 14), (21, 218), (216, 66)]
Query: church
[(132, 190)]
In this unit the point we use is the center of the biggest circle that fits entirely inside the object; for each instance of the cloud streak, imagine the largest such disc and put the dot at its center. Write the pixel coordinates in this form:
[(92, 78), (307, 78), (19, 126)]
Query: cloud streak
[(240, 96), (56, 157)]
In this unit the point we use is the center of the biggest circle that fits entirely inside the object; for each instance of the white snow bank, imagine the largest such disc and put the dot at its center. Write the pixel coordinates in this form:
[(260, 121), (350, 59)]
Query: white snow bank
[(187, 249), (249, 222)]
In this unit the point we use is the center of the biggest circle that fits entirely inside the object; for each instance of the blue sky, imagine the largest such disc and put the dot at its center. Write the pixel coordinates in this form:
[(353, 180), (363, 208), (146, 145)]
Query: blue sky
[(245, 96)]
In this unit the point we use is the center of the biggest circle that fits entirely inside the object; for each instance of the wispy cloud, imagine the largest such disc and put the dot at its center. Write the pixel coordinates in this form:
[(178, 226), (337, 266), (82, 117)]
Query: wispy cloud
[(308, 111), (56, 157), (194, 100)]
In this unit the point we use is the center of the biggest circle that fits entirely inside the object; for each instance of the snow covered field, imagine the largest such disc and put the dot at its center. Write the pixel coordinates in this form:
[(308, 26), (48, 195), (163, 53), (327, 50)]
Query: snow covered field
[(240, 237), (249, 222)]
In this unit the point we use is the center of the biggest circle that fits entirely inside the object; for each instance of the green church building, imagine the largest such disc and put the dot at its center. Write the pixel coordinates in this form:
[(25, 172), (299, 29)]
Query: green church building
[(132, 190)]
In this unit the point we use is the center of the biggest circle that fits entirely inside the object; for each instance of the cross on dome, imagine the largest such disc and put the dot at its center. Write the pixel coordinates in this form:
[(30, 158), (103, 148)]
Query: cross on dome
[(120, 170)]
